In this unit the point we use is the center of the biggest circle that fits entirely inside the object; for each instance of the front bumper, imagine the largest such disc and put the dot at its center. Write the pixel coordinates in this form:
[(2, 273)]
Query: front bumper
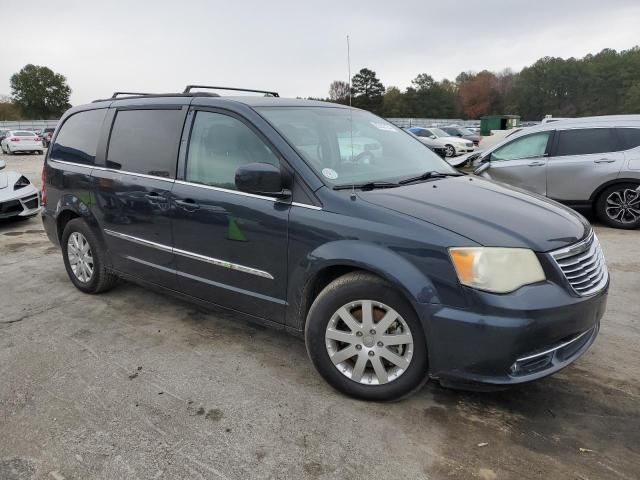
[(23, 205), (513, 338)]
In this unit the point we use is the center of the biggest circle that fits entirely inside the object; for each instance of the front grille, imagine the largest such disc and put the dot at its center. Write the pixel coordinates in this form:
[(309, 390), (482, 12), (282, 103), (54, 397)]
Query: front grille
[(10, 208), (583, 265)]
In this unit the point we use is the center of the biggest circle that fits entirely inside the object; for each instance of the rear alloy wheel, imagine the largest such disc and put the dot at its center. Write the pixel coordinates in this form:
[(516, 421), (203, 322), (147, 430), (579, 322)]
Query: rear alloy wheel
[(365, 339), (84, 258), (450, 152), (619, 206)]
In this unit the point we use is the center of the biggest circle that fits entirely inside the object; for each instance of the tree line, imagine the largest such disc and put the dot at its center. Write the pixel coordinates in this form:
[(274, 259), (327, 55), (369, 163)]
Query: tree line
[(606, 83)]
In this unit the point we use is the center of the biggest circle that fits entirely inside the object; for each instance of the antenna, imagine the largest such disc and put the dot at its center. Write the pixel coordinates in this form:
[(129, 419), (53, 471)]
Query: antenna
[(353, 186)]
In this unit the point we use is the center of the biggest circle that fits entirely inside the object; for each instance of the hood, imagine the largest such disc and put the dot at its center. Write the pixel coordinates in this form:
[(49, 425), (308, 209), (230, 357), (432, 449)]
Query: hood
[(488, 213)]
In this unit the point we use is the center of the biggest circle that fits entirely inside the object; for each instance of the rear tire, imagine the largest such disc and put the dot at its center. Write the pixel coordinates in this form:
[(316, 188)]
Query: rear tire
[(382, 367), (618, 206), (85, 258)]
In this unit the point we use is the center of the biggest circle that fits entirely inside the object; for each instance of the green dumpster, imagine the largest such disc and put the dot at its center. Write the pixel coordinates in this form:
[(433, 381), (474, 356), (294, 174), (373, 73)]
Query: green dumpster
[(498, 122)]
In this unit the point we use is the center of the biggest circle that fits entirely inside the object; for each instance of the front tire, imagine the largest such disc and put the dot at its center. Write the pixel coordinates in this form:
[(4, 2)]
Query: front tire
[(619, 206), (366, 340), (85, 258), (451, 151)]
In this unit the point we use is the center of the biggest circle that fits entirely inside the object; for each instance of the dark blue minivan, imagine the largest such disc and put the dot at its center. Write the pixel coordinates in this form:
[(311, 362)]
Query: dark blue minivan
[(328, 222)]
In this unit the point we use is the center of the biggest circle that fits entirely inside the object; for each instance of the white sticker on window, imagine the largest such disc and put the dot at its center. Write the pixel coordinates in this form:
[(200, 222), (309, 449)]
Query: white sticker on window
[(384, 126), (330, 173)]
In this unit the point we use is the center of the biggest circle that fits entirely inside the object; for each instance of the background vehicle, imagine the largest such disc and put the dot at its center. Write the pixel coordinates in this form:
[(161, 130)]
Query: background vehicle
[(21, 141), (462, 132), (3, 134), (590, 163), (258, 205), (18, 197), (47, 133), (438, 138)]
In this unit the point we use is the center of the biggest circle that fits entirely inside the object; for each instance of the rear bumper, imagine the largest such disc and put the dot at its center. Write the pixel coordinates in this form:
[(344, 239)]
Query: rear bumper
[(14, 147), (513, 338), (49, 224)]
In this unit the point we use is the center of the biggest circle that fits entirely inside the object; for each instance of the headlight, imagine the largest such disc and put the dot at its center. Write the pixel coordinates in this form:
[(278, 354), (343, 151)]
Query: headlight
[(498, 270), (21, 182)]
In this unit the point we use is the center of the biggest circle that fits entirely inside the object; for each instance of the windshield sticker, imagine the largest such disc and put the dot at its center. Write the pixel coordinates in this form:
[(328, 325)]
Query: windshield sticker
[(384, 126), (330, 173)]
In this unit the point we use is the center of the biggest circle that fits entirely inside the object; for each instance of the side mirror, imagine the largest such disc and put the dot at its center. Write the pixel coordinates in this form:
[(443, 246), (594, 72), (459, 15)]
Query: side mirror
[(261, 179), (2, 164), (482, 168)]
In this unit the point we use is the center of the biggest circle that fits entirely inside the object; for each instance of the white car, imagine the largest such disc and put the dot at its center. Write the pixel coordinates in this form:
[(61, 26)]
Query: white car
[(21, 141), (434, 137), (18, 196)]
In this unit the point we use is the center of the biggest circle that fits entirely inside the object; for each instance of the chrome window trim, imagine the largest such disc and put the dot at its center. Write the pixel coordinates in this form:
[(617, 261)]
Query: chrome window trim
[(574, 249), (183, 182), (226, 190), (113, 170), (306, 205), (194, 256)]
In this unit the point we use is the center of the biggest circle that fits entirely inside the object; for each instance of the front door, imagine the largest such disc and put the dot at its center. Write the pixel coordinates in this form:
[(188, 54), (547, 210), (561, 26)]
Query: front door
[(522, 162), (133, 192), (230, 247)]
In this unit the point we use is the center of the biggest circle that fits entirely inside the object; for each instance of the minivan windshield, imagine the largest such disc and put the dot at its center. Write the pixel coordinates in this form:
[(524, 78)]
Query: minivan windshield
[(353, 146)]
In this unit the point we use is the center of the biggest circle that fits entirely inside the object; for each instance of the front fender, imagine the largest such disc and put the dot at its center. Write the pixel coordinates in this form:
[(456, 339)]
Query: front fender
[(386, 263)]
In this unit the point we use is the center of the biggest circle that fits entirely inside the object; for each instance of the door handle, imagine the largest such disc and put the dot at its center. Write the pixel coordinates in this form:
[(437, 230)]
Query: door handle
[(153, 195), (188, 204), (604, 160), (535, 164)]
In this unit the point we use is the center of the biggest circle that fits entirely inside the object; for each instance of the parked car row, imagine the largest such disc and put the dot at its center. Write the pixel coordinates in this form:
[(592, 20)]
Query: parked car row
[(438, 138), (15, 141)]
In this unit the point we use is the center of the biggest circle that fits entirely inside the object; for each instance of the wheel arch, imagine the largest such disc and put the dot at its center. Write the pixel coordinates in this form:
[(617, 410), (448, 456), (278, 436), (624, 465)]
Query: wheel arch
[(594, 196), (71, 206), (335, 259)]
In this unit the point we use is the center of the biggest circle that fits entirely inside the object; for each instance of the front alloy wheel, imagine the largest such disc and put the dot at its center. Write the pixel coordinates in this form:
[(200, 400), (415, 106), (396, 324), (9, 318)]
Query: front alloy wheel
[(365, 338), (369, 342), (450, 151)]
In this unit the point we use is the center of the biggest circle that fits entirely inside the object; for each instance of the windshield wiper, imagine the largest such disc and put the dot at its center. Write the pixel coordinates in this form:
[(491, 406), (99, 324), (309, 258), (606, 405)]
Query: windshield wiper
[(428, 175), (366, 186)]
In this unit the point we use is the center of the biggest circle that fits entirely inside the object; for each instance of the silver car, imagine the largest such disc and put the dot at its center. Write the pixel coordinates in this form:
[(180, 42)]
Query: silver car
[(588, 163)]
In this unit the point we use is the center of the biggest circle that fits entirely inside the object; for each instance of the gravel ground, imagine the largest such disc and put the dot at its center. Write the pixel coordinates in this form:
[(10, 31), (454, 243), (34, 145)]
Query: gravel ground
[(133, 384)]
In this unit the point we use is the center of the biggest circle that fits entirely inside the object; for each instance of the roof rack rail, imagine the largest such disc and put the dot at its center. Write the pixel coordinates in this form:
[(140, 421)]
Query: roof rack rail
[(115, 94), (267, 93)]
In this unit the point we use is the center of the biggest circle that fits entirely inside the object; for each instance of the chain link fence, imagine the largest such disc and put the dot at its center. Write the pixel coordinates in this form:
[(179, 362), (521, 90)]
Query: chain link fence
[(432, 122), (27, 124)]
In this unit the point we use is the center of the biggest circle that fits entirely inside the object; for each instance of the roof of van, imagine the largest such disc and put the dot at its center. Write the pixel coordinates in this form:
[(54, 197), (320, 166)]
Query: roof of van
[(250, 100), (603, 120)]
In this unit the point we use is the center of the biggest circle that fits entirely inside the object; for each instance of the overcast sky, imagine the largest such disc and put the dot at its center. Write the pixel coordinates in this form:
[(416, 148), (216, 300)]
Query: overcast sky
[(297, 47)]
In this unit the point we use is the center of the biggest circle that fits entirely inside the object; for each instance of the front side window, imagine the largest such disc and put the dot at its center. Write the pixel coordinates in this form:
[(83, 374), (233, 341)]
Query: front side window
[(530, 146), (77, 140), (145, 141), (584, 141), (351, 146), (219, 145)]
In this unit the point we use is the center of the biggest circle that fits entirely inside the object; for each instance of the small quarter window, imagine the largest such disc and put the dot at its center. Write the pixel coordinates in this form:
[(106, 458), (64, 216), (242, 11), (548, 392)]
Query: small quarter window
[(77, 140), (219, 145)]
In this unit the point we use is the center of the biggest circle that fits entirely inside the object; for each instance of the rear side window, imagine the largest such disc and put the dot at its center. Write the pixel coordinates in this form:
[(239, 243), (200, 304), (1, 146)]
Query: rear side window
[(630, 137), (584, 141), (145, 141), (219, 145), (77, 140)]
